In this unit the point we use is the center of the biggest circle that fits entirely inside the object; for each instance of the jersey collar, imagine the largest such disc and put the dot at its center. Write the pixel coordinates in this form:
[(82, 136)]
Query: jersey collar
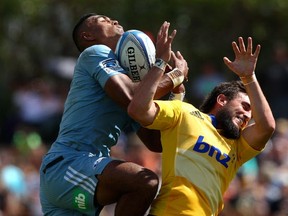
[(213, 120)]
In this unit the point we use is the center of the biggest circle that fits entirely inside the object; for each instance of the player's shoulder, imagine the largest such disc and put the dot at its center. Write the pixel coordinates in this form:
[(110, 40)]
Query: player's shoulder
[(176, 105), (187, 108), (183, 105), (98, 50)]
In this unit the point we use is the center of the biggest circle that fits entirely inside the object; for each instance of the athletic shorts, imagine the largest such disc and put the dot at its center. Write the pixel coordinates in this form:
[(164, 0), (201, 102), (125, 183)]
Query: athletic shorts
[(68, 181)]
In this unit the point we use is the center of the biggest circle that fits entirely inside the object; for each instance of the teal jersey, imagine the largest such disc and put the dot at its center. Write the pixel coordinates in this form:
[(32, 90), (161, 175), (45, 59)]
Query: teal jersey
[(91, 120), (90, 126)]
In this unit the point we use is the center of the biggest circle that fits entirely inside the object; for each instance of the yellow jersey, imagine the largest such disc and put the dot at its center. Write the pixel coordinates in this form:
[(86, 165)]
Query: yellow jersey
[(197, 162)]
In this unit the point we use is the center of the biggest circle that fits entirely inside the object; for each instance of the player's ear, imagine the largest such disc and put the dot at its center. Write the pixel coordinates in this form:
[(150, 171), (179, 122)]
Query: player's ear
[(87, 36), (221, 100)]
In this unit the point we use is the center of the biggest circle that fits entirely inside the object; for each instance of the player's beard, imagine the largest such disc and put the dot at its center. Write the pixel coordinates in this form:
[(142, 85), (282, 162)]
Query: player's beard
[(224, 119)]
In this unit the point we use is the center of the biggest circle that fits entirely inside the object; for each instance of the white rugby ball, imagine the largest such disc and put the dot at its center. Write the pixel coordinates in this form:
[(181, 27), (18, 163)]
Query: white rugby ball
[(136, 53)]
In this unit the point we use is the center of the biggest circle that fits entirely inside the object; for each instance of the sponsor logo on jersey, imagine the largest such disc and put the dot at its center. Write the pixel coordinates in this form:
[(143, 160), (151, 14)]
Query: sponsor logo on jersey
[(97, 162), (197, 114), (91, 154), (80, 199), (211, 151), (110, 65)]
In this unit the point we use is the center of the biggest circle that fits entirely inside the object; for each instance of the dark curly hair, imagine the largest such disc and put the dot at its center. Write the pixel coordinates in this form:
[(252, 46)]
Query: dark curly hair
[(229, 89)]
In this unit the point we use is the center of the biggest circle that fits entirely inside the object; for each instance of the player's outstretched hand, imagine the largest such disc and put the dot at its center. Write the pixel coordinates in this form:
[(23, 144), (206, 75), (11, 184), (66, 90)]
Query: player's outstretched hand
[(179, 62), (164, 42), (245, 60)]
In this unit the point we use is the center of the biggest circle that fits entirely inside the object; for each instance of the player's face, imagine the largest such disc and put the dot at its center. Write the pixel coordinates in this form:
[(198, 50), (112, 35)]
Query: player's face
[(103, 26), (234, 116)]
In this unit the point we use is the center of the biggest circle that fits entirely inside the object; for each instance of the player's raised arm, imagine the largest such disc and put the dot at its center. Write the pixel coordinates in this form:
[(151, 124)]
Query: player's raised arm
[(258, 133), (142, 108)]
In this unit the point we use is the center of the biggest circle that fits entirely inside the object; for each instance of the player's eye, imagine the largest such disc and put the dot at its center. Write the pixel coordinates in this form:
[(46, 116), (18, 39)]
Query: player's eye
[(246, 106)]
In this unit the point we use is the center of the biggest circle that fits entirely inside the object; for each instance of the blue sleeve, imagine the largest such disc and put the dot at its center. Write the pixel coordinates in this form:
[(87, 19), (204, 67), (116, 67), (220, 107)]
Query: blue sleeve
[(101, 63)]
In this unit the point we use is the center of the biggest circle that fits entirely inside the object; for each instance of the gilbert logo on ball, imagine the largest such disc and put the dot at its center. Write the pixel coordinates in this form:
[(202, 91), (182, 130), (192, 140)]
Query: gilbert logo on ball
[(136, 53)]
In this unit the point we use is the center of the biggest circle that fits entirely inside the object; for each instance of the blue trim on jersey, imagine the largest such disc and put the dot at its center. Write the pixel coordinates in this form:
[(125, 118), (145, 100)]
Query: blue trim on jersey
[(214, 120)]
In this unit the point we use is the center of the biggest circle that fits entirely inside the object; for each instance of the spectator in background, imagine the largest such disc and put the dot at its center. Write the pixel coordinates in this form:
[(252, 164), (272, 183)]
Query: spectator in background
[(36, 106), (19, 181), (39, 107), (266, 194), (37, 102)]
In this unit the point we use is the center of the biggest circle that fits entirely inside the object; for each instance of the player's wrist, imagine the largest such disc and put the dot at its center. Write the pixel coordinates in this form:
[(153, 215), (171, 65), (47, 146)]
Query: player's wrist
[(176, 76), (177, 96), (246, 80), (160, 63)]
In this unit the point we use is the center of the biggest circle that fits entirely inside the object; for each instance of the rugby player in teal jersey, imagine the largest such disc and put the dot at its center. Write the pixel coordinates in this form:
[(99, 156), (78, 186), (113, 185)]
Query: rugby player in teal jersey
[(78, 176)]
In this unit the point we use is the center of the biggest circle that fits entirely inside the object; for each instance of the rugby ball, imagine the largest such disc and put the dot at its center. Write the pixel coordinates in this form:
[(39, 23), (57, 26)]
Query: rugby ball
[(136, 53)]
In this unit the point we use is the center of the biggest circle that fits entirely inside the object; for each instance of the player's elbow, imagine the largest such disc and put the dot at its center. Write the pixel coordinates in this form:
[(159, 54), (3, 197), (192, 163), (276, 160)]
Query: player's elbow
[(270, 124), (133, 111), (138, 113), (271, 127)]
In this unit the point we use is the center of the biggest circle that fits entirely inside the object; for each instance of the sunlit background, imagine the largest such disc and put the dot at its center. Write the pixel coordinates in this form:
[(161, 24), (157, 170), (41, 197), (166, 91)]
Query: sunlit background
[(37, 56)]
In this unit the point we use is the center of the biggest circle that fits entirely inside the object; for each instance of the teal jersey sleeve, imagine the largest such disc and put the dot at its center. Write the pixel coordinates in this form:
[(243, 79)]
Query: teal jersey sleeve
[(100, 62), (90, 117)]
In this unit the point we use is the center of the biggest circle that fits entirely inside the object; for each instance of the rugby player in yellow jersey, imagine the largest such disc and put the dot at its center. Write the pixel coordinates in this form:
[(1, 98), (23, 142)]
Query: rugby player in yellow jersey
[(203, 148)]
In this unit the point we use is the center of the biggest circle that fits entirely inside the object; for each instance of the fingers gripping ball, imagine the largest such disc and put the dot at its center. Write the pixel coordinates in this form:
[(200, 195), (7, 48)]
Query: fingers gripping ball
[(136, 53)]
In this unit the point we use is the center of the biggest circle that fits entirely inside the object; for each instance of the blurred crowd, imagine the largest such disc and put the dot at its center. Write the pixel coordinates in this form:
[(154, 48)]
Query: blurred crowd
[(30, 125)]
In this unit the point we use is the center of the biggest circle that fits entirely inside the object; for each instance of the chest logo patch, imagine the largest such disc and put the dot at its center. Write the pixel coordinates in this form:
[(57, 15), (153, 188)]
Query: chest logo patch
[(211, 151)]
